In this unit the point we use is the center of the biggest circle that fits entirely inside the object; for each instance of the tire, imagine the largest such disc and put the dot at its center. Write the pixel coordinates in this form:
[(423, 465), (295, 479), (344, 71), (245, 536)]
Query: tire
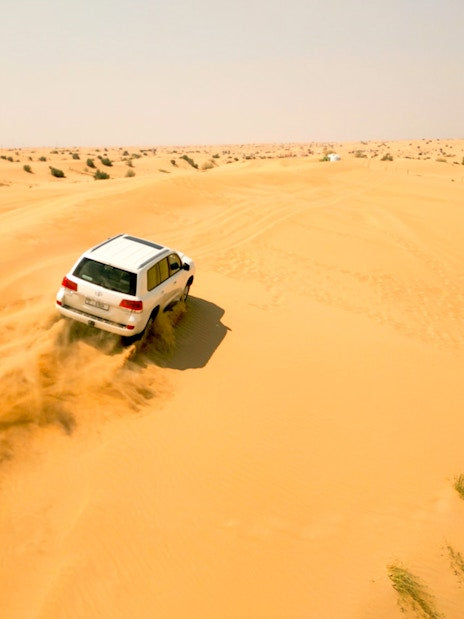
[(185, 293), (141, 337)]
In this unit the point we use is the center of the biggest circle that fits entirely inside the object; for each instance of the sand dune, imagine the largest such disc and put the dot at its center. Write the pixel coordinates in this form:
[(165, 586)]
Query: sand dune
[(276, 443)]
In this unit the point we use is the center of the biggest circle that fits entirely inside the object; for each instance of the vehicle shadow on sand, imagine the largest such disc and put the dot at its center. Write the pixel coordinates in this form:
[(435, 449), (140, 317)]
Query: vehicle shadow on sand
[(184, 338), (189, 340)]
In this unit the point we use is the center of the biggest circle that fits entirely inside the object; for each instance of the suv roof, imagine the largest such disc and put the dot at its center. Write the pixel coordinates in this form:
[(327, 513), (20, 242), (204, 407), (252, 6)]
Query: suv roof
[(127, 252)]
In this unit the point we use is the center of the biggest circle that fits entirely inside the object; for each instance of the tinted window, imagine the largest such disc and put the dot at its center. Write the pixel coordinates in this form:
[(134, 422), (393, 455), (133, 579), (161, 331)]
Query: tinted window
[(174, 263), (164, 269), (106, 276), (153, 277)]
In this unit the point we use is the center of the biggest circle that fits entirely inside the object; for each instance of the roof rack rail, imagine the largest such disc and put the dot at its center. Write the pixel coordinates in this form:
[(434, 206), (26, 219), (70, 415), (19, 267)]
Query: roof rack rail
[(107, 241)]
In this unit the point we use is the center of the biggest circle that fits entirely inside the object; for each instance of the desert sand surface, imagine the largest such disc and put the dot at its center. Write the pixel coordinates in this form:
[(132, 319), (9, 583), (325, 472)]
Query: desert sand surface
[(279, 442)]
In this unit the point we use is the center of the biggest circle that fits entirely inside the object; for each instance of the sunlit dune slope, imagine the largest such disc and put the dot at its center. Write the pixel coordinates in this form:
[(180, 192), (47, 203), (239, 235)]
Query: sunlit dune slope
[(280, 440)]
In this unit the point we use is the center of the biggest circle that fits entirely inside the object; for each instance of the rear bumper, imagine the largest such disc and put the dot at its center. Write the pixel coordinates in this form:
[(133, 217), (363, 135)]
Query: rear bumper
[(97, 322)]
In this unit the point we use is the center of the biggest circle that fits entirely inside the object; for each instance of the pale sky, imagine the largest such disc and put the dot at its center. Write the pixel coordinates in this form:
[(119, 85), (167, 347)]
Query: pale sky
[(140, 72)]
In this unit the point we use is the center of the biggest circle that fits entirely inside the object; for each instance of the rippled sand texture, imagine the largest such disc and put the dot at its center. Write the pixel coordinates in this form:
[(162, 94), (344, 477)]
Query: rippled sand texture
[(279, 441)]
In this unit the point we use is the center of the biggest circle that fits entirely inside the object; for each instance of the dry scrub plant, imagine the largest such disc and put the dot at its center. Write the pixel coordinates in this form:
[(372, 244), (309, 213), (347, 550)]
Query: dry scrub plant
[(411, 591), (459, 485), (56, 172), (457, 562), (100, 176)]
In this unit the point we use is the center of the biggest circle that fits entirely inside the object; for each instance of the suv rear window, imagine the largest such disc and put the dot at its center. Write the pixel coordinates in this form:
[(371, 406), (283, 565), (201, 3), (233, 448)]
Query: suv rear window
[(106, 276)]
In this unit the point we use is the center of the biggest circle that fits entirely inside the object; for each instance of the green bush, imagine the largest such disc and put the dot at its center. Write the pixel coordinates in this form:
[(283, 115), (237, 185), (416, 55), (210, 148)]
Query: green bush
[(190, 161), (75, 156), (90, 163), (99, 175), (173, 162), (56, 172), (105, 161), (130, 172), (42, 158), (27, 168), (387, 157)]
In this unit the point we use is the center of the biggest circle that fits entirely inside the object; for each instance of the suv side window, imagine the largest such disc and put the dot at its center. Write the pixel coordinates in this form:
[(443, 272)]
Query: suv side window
[(153, 277), (174, 263), (164, 269)]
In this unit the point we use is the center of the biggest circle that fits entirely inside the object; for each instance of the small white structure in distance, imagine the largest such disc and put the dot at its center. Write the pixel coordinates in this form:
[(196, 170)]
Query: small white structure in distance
[(333, 157)]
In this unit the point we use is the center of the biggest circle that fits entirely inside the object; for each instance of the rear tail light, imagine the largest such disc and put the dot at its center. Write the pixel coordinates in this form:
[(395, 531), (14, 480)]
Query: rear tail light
[(130, 304), (67, 283)]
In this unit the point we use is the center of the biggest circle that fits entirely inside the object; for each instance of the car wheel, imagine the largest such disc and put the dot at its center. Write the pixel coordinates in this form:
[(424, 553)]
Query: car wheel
[(141, 337), (150, 322), (185, 293)]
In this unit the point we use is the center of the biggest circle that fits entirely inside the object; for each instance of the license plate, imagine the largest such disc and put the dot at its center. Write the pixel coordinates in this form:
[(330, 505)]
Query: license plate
[(95, 303)]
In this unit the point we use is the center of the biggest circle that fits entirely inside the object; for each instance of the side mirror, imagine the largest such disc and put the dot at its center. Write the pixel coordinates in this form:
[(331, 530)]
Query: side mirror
[(186, 266)]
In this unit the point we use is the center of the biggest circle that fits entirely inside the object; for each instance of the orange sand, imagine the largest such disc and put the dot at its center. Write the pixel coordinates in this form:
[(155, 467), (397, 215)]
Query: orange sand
[(275, 446)]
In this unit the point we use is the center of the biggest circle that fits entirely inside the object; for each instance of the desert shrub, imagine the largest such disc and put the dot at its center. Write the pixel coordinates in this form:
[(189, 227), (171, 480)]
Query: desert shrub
[(125, 153), (130, 172), (360, 154), (165, 171), (100, 176), (459, 485), (412, 591), (106, 161), (441, 160), (324, 158), (75, 156), (129, 163), (216, 156), (173, 162), (190, 161), (10, 159), (53, 152), (42, 158), (27, 168), (457, 562), (387, 157), (56, 172), (208, 165), (90, 163)]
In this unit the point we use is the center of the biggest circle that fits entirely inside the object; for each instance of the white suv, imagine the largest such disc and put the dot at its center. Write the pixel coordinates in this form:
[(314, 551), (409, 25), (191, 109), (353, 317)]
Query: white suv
[(122, 284)]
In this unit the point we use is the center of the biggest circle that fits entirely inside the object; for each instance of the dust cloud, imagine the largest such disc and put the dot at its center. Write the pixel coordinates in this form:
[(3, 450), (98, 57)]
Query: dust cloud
[(70, 371)]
